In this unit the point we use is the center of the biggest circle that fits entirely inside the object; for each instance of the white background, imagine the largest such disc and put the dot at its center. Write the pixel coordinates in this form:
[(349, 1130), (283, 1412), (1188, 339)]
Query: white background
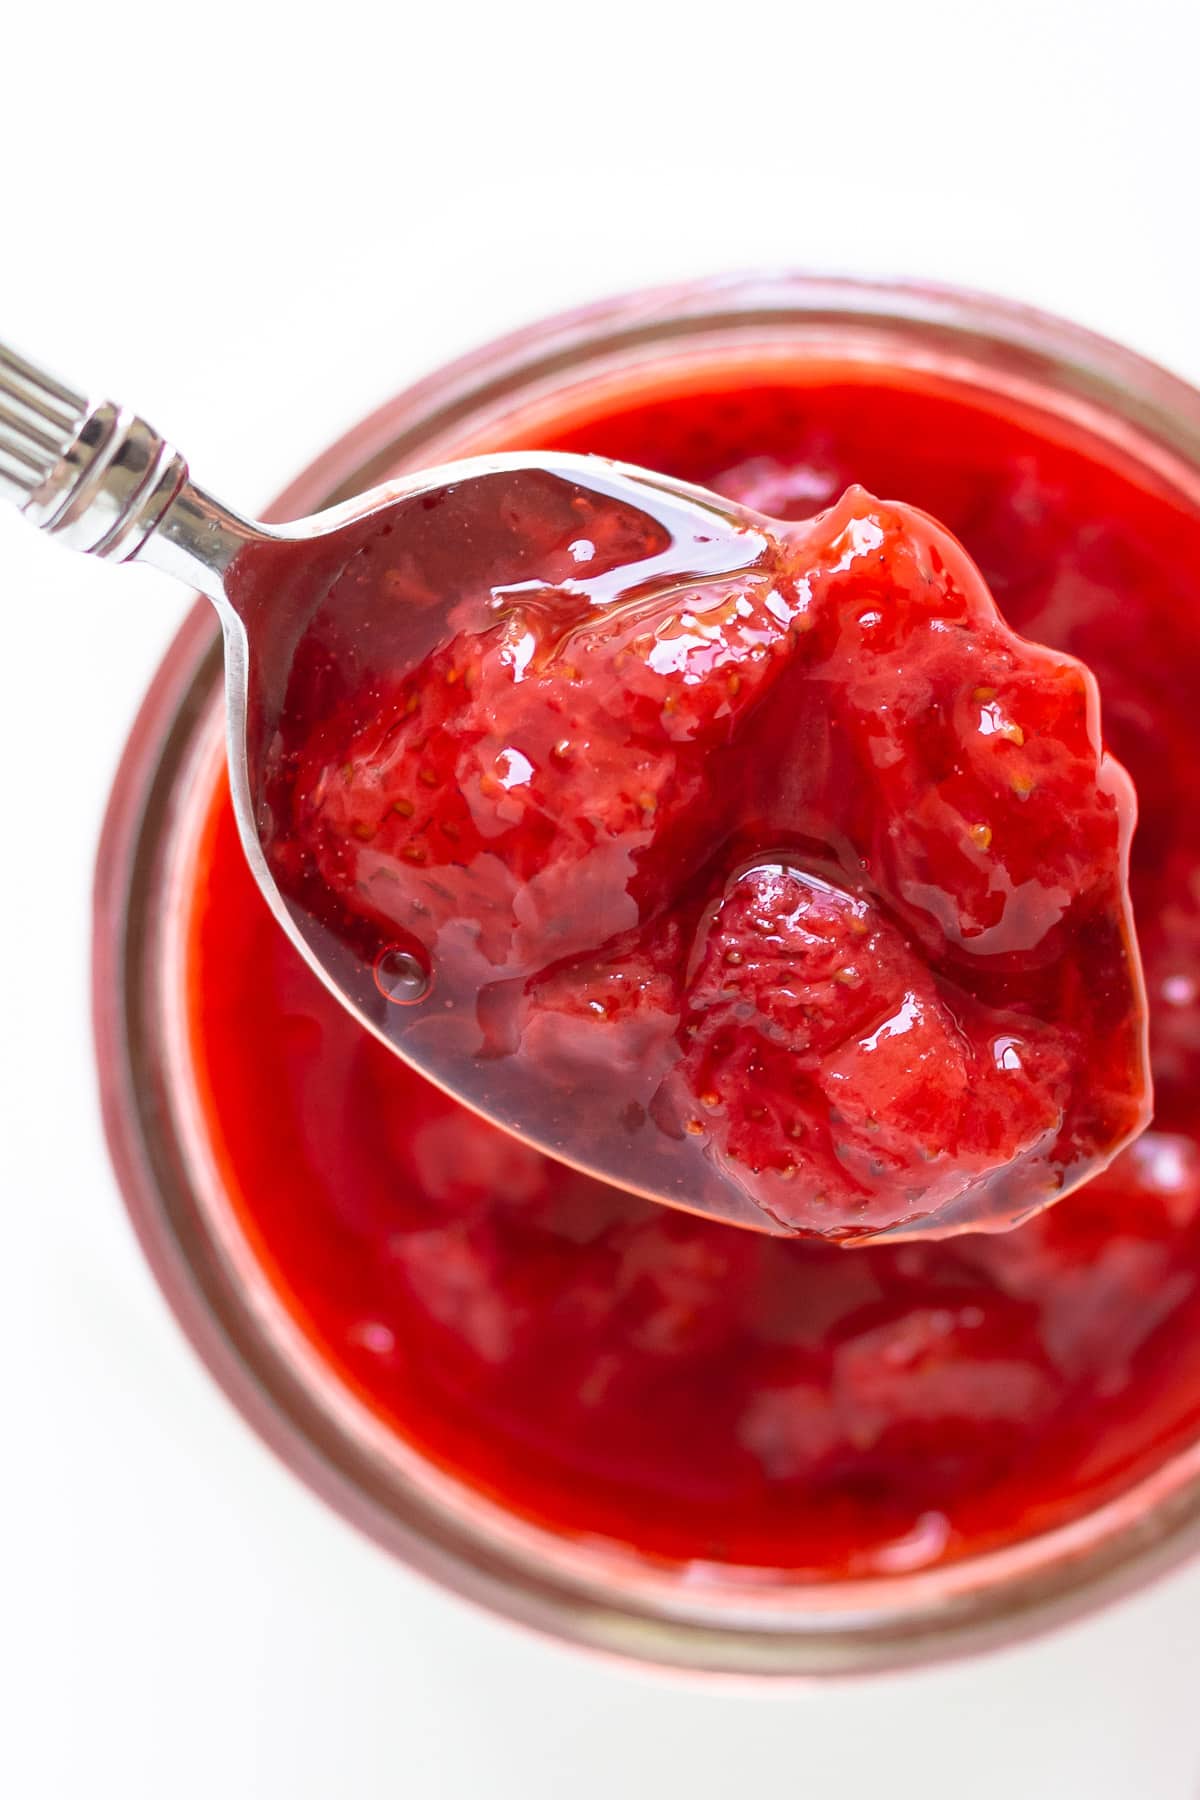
[(253, 224)]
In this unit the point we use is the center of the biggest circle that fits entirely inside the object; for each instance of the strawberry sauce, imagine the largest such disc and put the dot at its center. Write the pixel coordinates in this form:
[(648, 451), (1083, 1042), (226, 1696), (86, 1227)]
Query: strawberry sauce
[(608, 1367)]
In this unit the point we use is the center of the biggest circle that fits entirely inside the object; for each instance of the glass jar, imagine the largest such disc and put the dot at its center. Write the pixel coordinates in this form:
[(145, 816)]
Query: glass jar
[(595, 1595)]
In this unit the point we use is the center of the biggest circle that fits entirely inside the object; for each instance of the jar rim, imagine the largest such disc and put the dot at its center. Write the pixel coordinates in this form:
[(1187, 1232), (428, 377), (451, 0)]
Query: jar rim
[(793, 1629)]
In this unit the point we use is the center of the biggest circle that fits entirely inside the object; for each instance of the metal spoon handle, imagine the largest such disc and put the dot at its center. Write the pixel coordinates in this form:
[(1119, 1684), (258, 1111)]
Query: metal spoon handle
[(101, 480)]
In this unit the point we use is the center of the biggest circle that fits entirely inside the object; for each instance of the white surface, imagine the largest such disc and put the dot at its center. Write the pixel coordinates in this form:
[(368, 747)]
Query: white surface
[(321, 207)]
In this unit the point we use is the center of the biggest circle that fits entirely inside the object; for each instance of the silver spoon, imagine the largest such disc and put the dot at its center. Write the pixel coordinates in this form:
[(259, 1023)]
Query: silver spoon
[(331, 612)]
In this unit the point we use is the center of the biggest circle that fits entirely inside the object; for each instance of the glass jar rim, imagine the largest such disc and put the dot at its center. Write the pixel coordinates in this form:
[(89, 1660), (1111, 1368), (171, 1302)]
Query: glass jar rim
[(731, 1627)]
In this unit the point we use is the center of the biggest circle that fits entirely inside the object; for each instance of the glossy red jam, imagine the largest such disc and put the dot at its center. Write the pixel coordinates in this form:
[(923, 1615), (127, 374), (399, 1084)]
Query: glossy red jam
[(746, 857), (696, 1392)]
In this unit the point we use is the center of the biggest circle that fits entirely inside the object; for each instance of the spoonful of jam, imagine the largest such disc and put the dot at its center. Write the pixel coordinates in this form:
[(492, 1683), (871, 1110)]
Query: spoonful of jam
[(759, 868)]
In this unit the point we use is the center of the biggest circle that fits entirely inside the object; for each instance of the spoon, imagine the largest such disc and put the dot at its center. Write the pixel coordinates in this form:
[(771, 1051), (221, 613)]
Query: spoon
[(324, 621)]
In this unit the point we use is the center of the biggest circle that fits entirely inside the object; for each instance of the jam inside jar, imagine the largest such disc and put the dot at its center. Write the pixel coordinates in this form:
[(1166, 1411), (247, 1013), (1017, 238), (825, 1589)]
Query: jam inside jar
[(637, 1429), (697, 1393)]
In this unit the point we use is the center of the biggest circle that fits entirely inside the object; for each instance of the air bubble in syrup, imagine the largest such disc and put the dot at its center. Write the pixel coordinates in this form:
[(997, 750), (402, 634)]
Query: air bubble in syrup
[(402, 976)]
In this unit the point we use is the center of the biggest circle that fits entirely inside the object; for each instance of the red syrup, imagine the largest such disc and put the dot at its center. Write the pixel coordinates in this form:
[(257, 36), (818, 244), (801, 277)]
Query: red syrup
[(607, 1367)]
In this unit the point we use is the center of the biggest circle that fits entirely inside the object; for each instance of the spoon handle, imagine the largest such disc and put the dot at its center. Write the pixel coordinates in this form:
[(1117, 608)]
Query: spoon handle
[(102, 481)]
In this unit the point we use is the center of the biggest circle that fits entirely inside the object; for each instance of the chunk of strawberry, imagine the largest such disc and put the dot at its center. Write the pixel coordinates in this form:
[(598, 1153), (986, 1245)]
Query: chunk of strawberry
[(929, 1398), (979, 795), (611, 1015), (829, 1073), (532, 789), (956, 1381)]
